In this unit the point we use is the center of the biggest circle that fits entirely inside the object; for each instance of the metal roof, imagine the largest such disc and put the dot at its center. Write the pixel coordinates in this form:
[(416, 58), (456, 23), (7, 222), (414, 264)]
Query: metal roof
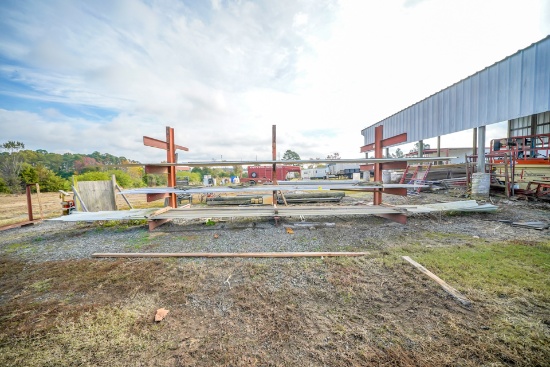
[(516, 86)]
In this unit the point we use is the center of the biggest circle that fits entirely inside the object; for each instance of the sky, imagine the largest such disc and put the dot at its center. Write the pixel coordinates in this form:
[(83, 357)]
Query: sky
[(85, 76)]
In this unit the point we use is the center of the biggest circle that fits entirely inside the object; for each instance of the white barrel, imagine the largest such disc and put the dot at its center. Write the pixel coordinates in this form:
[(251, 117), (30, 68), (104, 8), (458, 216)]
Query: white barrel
[(481, 183)]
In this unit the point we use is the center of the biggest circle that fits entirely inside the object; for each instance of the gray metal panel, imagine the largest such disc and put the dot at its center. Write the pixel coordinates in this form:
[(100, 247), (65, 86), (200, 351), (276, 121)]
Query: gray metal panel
[(514, 87)]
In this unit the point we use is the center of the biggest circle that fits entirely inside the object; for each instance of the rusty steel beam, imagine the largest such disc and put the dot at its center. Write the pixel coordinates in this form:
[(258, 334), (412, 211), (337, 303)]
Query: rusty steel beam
[(367, 148), (29, 202), (156, 170), (274, 157), (395, 191), (155, 197), (388, 142), (155, 143), (378, 134), (399, 218), (171, 158), (157, 223)]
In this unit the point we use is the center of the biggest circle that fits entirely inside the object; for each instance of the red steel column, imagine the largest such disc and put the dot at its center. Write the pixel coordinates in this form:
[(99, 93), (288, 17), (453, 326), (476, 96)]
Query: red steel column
[(274, 155), (170, 158), (378, 136), (29, 203)]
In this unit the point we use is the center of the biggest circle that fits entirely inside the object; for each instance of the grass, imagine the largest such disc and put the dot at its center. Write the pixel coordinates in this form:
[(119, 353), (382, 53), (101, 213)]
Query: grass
[(374, 310), (509, 269)]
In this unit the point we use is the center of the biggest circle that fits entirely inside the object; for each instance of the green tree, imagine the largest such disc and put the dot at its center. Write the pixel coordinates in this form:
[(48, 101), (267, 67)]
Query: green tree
[(398, 153), (11, 165), (49, 181), (3, 187), (417, 147), (28, 174), (291, 156), (193, 177)]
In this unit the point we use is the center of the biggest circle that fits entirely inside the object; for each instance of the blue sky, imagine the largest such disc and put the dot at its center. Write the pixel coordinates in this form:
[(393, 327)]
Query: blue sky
[(81, 76)]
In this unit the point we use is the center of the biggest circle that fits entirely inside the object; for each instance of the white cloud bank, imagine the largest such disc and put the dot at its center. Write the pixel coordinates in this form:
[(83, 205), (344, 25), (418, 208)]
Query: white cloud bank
[(99, 75)]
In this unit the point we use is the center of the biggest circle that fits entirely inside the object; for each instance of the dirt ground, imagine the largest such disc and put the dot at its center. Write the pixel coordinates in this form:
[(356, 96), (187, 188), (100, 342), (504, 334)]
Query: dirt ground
[(375, 310)]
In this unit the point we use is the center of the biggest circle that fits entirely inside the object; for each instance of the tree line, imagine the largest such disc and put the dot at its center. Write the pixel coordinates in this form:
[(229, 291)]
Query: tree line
[(53, 171)]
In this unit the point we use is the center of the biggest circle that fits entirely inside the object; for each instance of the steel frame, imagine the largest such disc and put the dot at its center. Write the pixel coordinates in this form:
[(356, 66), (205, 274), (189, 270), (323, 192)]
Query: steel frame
[(378, 146)]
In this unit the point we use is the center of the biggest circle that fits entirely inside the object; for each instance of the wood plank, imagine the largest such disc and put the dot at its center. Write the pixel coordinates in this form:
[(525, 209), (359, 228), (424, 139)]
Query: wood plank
[(231, 254), (453, 292)]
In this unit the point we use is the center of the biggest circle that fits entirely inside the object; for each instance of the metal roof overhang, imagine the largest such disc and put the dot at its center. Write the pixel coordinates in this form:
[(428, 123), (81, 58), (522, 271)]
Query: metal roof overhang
[(517, 86)]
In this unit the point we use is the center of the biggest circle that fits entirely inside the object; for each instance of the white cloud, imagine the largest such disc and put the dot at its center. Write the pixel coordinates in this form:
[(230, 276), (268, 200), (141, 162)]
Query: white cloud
[(222, 72)]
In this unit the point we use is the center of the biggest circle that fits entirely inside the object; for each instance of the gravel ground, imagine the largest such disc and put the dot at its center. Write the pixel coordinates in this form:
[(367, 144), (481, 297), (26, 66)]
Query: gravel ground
[(49, 240)]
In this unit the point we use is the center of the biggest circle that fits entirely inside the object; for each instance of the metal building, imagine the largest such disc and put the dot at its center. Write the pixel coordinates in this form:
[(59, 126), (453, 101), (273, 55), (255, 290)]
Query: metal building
[(515, 89)]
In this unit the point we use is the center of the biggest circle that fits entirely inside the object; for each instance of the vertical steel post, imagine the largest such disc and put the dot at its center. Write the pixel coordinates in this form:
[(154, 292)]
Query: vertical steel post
[(170, 158), (29, 203), (378, 136), (481, 149), (474, 145), (439, 149), (274, 156)]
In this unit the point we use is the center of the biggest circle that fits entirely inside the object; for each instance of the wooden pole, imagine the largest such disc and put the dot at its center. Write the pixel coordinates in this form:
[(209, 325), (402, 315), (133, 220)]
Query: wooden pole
[(124, 197), (232, 254), (39, 201), (79, 198), (113, 186), (453, 292)]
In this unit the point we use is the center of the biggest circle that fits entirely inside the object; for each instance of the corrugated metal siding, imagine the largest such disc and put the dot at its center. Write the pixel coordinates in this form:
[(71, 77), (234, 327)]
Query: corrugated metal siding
[(515, 87)]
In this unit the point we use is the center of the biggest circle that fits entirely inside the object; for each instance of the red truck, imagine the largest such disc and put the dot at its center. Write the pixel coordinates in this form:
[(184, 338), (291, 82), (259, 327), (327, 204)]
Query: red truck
[(263, 174)]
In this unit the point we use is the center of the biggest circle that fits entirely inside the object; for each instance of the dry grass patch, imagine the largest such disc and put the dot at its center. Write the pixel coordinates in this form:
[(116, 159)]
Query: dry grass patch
[(337, 311)]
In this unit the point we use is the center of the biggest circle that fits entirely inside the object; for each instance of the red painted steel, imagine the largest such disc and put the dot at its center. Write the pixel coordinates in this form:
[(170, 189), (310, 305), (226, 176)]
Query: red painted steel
[(155, 197), (378, 134), (399, 218), (170, 147), (398, 139), (29, 202), (171, 158), (395, 191), (155, 143), (156, 170)]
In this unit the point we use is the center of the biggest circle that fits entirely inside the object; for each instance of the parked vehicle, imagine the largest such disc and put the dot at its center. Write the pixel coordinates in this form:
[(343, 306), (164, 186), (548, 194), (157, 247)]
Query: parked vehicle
[(263, 174), (343, 170), (314, 174)]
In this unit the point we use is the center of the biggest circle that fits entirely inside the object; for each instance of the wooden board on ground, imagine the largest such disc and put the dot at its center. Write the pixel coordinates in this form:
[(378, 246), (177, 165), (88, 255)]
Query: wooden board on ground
[(453, 292)]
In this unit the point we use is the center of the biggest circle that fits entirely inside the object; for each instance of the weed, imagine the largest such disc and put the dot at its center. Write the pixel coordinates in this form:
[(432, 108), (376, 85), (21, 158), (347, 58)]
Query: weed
[(14, 247), (42, 285)]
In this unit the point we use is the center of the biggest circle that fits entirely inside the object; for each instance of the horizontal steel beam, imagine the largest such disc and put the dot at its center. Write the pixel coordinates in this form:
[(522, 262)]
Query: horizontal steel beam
[(155, 143), (289, 162), (394, 140)]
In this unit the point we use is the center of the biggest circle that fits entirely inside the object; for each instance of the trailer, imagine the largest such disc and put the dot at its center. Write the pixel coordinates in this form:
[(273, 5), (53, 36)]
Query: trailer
[(315, 174), (264, 174), (343, 170)]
